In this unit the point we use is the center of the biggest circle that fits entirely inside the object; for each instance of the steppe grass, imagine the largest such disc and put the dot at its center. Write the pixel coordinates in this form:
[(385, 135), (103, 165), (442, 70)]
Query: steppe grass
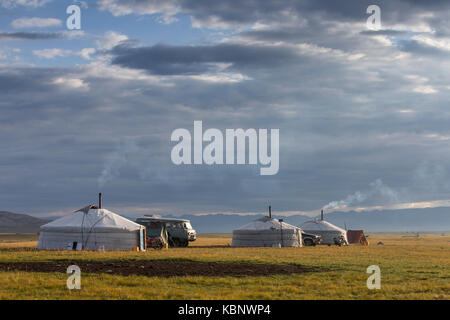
[(411, 268)]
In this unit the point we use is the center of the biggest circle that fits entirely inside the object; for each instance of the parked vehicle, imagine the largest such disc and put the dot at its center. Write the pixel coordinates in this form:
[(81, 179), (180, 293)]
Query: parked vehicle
[(310, 239), (179, 231), (157, 235)]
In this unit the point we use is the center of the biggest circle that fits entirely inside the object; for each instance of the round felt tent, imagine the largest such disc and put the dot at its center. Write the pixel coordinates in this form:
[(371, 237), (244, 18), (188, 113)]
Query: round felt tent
[(328, 231), (267, 232), (92, 229)]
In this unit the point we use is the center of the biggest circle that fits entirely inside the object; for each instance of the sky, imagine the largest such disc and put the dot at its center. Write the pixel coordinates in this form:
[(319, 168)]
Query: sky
[(362, 114)]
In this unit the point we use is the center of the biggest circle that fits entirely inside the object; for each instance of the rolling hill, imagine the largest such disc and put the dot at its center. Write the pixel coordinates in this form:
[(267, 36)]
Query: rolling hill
[(19, 223), (405, 220)]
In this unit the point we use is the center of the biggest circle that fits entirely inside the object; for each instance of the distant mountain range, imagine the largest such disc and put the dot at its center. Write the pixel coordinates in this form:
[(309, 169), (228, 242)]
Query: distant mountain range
[(19, 223), (405, 220)]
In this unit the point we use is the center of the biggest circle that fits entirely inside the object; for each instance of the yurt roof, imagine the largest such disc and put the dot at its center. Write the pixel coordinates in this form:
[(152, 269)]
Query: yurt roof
[(266, 223), (320, 225), (94, 219)]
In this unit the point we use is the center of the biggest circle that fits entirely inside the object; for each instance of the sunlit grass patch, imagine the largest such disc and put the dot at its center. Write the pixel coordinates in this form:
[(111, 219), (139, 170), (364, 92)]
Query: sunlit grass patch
[(410, 269)]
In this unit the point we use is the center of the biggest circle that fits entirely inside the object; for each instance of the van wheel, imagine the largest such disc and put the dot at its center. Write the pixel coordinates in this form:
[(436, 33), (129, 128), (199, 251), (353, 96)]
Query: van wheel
[(308, 242)]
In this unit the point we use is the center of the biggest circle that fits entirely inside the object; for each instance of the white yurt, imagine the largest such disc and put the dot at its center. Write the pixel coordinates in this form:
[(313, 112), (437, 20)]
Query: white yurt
[(267, 232), (323, 228), (92, 228)]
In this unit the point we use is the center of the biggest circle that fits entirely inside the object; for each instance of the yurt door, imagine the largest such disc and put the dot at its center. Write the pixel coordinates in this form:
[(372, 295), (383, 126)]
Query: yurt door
[(142, 239)]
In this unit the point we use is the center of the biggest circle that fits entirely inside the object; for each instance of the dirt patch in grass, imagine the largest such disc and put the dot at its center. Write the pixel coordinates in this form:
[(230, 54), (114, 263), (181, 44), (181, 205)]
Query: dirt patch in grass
[(161, 268)]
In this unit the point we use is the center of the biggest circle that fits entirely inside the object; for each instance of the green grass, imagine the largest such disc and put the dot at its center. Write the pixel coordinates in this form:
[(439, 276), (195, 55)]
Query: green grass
[(411, 268)]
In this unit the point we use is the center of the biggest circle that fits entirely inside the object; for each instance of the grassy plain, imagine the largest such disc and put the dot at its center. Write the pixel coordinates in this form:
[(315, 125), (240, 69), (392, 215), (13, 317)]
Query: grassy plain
[(411, 268)]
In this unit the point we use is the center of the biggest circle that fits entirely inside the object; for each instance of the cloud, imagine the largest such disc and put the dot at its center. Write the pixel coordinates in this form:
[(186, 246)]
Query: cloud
[(29, 36), (56, 52), (425, 89), (87, 53), (82, 4), (110, 39), (166, 9), (26, 3), (441, 44), (70, 35), (105, 42), (71, 83), (343, 99), (401, 15), (421, 84), (8, 53), (194, 60), (21, 23), (51, 53)]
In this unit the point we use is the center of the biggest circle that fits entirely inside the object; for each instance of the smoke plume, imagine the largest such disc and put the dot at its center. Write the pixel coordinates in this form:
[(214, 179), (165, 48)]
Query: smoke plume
[(115, 161), (376, 190)]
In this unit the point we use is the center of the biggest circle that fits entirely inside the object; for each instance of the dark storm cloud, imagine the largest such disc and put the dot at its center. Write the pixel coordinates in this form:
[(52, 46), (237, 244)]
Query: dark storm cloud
[(65, 138), (249, 11), (29, 35), (386, 32), (189, 60), (24, 80)]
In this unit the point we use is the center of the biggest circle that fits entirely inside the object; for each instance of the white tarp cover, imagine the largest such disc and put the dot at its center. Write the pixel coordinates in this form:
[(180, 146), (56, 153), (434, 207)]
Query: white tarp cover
[(267, 232), (98, 229), (325, 229)]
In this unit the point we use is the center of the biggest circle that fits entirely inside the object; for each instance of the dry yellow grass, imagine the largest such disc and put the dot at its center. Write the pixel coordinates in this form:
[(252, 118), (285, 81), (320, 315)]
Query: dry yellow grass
[(17, 238), (411, 268), (22, 244)]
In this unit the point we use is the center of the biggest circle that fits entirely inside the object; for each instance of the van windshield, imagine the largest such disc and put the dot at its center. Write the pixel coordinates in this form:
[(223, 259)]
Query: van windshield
[(187, 225)]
